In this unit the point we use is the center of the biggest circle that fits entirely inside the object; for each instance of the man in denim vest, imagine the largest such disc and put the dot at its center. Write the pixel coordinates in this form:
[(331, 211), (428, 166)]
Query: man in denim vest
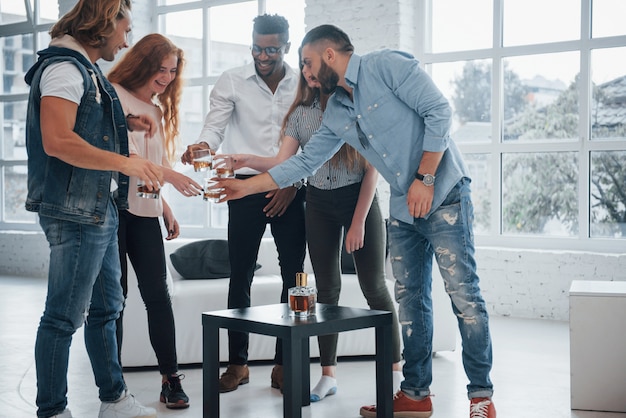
[(388, 108), (78, 168)]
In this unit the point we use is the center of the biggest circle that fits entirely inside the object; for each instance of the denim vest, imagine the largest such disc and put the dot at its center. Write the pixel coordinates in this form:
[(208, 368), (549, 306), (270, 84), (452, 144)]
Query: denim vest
[(60, 190)]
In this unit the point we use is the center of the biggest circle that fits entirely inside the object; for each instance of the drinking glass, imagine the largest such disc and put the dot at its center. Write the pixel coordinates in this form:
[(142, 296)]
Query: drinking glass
[(202, 160), (142, 188), (223, 165), (210, 193)]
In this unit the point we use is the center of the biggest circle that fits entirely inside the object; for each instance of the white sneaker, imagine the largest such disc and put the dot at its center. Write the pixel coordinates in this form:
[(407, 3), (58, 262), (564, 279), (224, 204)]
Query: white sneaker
[(65, 414), (125, 407)]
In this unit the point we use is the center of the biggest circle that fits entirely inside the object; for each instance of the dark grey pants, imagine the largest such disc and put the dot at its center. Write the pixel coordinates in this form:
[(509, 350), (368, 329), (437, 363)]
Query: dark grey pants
[(328, 214)]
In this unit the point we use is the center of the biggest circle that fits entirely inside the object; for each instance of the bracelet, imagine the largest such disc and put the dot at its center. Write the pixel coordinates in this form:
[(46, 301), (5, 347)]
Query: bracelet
[(130, 116)]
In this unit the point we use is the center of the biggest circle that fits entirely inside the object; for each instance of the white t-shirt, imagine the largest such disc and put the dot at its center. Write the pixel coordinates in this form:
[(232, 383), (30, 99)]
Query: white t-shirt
[(64, 80), (154, 152)]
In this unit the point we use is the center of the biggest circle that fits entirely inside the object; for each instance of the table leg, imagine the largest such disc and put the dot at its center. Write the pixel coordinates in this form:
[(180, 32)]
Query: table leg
[(306, 373), (384, 376), (292, 391), (210, 371)]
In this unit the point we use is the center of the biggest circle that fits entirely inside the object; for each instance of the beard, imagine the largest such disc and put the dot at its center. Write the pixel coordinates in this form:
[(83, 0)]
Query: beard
[(328, 79)]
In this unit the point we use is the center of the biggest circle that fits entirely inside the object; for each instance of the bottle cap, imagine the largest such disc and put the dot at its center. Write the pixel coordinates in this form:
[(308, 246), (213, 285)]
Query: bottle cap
[(301, 279)]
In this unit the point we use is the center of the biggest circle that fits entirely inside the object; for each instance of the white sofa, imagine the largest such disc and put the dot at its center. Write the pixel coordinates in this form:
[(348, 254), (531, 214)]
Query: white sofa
[(192, 297)]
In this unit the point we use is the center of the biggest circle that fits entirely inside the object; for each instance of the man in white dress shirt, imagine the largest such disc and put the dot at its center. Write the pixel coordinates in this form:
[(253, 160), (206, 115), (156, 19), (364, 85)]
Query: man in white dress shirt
[(248, 105)]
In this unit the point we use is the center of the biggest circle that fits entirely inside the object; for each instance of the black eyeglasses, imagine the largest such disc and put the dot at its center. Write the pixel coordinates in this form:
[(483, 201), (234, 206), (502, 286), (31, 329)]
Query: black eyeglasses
[(269, 50)]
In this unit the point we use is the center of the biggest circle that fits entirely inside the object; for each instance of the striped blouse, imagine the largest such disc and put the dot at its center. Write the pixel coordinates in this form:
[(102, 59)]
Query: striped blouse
[(301, 125)]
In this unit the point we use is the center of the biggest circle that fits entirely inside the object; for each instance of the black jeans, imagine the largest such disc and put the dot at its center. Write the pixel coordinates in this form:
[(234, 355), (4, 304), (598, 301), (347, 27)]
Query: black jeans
[(328, 216), (246, 225), (140, 238)]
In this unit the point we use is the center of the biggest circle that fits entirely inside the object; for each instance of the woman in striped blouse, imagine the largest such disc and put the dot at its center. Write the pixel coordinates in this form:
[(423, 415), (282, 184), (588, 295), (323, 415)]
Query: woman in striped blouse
[(341, 196)]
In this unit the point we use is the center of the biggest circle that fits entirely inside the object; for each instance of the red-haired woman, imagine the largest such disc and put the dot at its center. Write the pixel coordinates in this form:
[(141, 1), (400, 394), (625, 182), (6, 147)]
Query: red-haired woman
[(147, 82)]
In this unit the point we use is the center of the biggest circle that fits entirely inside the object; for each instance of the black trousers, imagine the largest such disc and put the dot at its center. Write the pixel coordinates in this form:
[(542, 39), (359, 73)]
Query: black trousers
[(246, 225), (140, 238)]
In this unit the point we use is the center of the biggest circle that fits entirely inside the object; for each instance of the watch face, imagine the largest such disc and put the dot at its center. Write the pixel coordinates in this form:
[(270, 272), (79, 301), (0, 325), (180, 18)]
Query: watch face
[(429, 179)]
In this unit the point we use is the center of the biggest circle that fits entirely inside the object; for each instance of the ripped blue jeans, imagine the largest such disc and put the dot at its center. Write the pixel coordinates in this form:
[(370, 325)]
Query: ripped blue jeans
[(446, 234)]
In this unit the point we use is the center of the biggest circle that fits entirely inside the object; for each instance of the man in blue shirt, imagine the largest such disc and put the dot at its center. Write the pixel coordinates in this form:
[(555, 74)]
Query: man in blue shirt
[(389, 109)]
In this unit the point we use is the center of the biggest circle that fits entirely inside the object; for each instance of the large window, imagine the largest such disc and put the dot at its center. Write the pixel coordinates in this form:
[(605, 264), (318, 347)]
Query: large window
[(540, 113)]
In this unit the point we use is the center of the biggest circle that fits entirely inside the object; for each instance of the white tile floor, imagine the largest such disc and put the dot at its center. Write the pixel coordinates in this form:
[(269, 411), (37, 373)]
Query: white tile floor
[(530, 374)]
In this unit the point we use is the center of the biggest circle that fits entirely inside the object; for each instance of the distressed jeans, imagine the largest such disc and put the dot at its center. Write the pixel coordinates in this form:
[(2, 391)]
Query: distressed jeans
[(446, 234), (83, 288)]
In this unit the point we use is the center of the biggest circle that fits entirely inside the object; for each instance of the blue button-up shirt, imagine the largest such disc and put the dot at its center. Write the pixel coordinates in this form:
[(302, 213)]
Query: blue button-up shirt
[(401, 114)]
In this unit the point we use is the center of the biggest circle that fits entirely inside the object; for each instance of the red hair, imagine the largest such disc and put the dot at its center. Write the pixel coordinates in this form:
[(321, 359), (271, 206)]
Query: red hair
[(141, 63)]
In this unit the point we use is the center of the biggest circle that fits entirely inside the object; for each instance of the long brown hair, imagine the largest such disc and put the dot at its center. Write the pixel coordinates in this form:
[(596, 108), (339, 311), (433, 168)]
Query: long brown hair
[(142, 61), (91, 21), (305, 96)]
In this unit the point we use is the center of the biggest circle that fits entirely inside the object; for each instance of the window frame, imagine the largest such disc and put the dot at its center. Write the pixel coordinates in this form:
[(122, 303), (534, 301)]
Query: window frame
[(584, 146)]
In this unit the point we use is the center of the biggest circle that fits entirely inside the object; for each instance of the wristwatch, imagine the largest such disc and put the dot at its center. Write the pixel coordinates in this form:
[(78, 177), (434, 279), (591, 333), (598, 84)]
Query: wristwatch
[(427, 179), (298, 184)]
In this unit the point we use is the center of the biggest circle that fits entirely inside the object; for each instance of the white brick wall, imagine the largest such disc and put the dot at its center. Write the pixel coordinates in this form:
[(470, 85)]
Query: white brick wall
[(371, 25)]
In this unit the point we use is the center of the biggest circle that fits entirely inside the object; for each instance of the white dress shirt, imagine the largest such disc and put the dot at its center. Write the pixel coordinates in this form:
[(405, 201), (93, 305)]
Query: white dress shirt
[(245, 117)]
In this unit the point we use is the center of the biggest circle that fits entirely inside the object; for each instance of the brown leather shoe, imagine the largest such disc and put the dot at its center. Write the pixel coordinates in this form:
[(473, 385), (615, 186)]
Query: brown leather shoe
[(234, 376), (277, 377)]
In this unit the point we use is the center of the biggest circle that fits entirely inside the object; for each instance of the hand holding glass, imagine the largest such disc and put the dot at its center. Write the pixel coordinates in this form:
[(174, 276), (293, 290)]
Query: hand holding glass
[(202, 160), (142, 189), (211, 194), (223, 165)]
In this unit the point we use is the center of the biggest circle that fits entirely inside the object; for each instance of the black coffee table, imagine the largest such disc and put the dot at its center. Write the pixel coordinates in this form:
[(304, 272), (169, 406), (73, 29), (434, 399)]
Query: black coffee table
[(274, 320)]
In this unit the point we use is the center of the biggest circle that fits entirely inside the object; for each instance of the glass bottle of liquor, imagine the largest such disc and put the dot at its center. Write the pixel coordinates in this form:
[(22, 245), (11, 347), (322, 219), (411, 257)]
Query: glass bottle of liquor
[(302, 297)]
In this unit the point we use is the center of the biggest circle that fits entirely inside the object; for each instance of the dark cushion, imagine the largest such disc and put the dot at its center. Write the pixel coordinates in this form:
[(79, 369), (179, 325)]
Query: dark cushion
[(206, 259)]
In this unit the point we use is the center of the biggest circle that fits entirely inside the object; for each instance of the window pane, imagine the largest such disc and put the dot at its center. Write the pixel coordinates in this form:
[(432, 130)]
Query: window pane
[(12, 11), (230, 29), (540, 193), (13, 130), (608, 203), (43, 39), (219, 215), (48, 10), (541, 97), (293, 11), (608, 109), (191, 116), (467, 86), (608, 18), (15, 188), (189, 211), (460, 25), (480, 171), (540, 21), (185, 30), (17, 52)]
